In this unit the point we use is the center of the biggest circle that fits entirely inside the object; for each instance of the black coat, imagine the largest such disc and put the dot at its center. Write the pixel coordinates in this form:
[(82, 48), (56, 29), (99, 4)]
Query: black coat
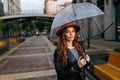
[(71, 72)]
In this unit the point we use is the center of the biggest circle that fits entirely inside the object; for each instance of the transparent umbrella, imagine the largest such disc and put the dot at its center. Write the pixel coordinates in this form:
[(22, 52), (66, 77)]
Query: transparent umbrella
[(90, 18)]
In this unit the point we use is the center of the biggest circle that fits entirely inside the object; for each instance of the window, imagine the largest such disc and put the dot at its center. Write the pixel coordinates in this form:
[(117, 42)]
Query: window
[(88, 1), (107, 2), (81, 1)]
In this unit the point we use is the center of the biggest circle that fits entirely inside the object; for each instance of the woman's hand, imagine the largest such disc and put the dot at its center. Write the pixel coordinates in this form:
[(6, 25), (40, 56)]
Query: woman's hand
[(87, 58), (81, 62)]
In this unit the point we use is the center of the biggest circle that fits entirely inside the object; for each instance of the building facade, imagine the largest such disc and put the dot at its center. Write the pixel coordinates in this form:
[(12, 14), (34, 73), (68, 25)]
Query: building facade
[(12, 7), (50, 7), (116, 4), (62, 6), (1, 8), (112, 9)]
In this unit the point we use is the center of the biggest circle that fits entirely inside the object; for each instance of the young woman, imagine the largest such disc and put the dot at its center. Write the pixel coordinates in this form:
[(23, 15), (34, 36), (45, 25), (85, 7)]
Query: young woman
[(68, 56)]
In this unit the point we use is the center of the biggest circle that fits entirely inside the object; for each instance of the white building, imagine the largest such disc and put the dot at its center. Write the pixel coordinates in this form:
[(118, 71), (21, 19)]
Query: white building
[(11, 7), (50, 7), (62, 6)]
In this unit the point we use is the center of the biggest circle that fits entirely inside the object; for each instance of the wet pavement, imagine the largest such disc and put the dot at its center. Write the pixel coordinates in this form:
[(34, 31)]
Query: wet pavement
[(33, 59)]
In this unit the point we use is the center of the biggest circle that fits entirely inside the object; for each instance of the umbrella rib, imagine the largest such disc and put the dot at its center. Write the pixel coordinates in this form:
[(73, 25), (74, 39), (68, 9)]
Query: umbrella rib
[(73, 11), (100, 33)]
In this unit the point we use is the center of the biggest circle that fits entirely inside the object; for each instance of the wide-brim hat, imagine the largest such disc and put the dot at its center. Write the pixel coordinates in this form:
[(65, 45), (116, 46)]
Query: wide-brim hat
[(60, 30)]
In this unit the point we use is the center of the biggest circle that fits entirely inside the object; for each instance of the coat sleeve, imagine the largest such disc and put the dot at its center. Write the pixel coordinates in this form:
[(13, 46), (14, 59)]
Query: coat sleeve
[(64, 71)]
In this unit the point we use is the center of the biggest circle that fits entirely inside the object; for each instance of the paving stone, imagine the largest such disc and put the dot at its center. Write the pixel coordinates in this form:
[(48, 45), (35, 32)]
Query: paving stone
[(24, 64), (28, 51), (53, 77), (97, 52), (86, 47), (34, 45)]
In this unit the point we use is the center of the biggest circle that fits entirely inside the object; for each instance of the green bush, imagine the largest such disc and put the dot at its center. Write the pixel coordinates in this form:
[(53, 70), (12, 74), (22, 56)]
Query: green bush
[(2, 39), (16, 36), (117, 49), (2, 24)]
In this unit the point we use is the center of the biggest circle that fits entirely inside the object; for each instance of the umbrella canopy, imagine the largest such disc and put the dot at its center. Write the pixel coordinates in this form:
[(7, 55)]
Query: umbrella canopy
[(91, 19)]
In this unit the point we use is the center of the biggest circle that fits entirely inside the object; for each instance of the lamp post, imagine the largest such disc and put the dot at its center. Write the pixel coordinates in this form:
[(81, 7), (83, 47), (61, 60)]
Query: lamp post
[(89, 32)]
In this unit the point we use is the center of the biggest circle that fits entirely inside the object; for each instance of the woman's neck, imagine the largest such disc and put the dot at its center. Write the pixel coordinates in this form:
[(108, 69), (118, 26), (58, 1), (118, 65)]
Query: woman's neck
[(69, 44)]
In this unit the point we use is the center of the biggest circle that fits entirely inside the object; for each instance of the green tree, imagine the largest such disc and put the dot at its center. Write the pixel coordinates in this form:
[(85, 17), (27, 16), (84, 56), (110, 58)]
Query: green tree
[(48, 26), (28, 29), (43, 25), (15, 27), (2, 26), (40, 25), (27, 26)]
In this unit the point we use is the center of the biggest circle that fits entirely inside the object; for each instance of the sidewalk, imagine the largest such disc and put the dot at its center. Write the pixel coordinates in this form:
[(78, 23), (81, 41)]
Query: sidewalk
[(36, 58), (31, 55), (109, 45)]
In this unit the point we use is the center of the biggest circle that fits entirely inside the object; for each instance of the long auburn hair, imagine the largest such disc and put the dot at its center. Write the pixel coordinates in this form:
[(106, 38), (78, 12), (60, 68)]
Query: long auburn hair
[(62, 46)]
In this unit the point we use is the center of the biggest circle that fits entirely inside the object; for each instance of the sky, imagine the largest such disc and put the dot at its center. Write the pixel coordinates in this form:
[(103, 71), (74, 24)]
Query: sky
[(35, 5)]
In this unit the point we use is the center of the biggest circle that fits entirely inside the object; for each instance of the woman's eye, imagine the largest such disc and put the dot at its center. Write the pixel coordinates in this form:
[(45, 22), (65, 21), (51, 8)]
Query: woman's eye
[(67, 31), (73, 31)]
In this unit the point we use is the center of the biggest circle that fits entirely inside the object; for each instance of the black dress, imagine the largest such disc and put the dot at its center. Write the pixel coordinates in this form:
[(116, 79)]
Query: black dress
[(71, 72)]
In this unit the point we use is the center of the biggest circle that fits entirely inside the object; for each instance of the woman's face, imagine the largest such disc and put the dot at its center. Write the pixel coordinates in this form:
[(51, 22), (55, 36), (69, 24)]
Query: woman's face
[(70, 34)]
